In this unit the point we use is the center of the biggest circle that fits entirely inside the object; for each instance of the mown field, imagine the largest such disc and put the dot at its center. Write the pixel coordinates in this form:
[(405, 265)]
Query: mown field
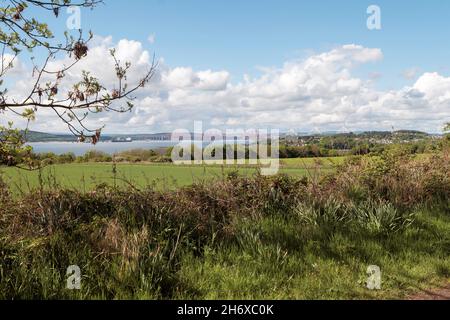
[(162, 176)]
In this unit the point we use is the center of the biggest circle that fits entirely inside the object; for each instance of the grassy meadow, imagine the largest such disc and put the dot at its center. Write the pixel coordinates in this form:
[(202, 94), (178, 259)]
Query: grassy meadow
[(87, 176)]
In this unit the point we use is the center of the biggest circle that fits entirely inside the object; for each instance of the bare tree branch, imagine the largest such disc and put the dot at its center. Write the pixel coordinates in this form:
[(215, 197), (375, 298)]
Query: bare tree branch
[(21, 32)]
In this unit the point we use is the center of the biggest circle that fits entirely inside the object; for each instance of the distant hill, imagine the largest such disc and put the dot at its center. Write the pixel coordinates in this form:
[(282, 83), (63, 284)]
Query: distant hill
[(403, 134), (35, 136)]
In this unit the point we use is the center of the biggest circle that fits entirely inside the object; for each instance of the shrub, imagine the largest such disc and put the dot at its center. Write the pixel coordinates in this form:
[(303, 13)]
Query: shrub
[(381, 218), (368, 217), (328, 216), (136, 155), (394, 177), (96, 156)]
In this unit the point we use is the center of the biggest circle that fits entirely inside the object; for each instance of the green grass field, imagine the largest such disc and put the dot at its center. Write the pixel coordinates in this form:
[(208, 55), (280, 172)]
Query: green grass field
[(163, 176), (239, 239), (312, 162)]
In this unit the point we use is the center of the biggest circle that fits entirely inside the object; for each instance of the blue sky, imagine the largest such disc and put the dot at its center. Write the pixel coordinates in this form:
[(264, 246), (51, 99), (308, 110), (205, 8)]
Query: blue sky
[(293, 65), (241, 35)]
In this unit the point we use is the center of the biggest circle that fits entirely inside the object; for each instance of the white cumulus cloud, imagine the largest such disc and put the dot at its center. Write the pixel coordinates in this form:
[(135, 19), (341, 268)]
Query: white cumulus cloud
[(318, 93)]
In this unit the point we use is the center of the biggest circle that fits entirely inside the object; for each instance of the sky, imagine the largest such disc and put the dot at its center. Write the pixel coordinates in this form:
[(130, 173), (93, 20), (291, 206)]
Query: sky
[(286, 64), (240, 36)]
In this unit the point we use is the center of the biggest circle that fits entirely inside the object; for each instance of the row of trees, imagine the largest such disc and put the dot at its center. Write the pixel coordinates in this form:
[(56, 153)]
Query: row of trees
[(332, 150), (93, 156), (286, 152)]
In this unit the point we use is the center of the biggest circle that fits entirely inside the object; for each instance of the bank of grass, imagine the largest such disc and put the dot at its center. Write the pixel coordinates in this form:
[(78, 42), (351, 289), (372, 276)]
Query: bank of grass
[(281, 259), (241, 236)]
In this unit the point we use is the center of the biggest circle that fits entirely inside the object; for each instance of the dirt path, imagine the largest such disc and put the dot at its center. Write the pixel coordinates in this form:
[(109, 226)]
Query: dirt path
[(437, 294)]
